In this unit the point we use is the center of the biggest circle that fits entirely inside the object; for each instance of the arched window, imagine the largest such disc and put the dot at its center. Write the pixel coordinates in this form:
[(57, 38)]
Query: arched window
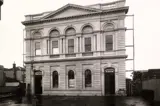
[(55, 79), (71, 80), (37, 34), (88, 78), (87, 29), (70, 31), (108, 27), (54, 33), (109, 38)]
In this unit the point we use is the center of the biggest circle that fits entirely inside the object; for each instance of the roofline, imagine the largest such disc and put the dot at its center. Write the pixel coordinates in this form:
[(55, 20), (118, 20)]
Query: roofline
[(108, 3), (125, 9)]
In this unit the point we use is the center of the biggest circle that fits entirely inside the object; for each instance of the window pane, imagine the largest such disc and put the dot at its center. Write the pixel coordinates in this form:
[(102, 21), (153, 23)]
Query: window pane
[(88, 41), (88, 78), (87, 44), (71, 83), (37, 45), (70, 49), (71, 80), (38, 52), (87, 48), (70, 42), (55, 79), (55, 50), (54, 44), (109, 42)]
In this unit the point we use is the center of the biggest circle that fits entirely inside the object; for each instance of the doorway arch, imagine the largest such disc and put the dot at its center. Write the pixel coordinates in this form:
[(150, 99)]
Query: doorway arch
[(109, 81), (38, 82)]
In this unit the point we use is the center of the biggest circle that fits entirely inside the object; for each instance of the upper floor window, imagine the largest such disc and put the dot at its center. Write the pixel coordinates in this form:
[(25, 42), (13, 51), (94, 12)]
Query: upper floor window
[(87, 44), (70, 31), (109, 42), (37, 34), (55, 79), (54, 33), (88, 78), (87, 29), (71, 79), (55, 48), (71, 46), (37, 48), (109, 27)]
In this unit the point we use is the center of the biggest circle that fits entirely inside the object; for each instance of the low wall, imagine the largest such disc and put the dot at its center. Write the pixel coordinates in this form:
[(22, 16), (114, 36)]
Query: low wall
[(153, 84)]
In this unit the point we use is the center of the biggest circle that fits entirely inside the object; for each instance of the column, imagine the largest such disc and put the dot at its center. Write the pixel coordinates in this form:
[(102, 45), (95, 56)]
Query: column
[(61, 45), (98, 43), (94, 43)]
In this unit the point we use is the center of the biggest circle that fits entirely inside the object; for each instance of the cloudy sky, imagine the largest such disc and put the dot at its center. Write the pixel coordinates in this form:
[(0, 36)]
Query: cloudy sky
[(147, 32)]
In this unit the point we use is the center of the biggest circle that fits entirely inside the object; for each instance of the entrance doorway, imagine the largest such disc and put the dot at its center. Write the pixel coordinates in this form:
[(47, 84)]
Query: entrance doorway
[(38, 82), (109, 80)]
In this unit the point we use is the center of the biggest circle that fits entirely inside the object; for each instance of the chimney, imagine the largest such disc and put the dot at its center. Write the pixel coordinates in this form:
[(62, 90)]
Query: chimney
[(14, 70)]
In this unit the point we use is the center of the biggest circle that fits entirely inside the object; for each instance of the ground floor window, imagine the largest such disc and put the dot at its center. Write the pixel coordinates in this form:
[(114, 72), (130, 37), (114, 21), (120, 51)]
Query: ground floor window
[(55, 79), (88, 78), (71, 79)]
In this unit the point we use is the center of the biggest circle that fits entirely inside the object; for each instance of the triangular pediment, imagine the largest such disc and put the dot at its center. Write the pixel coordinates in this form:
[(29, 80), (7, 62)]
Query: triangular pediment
[(70, 10)]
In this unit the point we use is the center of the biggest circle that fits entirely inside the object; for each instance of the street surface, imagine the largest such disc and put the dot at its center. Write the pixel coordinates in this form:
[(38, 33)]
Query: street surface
[(84, 101)]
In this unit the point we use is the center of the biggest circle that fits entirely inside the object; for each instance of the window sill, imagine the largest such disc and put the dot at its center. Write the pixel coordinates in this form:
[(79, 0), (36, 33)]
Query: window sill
[(71, 55), (55, 56), (87, 54)]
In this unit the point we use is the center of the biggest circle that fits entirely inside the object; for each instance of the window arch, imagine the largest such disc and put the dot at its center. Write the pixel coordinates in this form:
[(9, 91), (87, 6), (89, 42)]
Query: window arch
[(87, 29), (37, 34), (55, 79), (70, 31), (88, 78), (54, 32), (71, 79), (108, 26)]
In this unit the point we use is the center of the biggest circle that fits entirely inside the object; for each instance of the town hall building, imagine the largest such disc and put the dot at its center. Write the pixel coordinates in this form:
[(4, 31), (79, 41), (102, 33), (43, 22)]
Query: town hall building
[(77, 50)]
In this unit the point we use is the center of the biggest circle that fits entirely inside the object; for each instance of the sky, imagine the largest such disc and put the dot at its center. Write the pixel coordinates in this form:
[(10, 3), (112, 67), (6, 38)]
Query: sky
[(146, 25)]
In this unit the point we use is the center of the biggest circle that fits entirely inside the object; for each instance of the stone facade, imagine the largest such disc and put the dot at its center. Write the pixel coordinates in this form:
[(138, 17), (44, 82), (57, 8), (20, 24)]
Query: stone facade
[(69, 22)]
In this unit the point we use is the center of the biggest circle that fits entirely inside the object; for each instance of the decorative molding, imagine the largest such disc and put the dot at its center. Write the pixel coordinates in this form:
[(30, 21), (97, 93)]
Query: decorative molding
[(124, 9), (79, 59)]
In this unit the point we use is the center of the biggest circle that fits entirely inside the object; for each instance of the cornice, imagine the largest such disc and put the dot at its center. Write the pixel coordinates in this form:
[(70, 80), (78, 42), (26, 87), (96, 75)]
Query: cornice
[(78, 59), (125, 9)]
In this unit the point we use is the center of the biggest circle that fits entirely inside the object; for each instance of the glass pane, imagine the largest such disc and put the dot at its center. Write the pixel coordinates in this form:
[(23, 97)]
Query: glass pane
[(87, 48), (88, 78), (38, 52), (54, 44), (109, 39), (88, 41), (55, 50), (37, 45), (55, 79), (109, 42), (70, 42), (70, 49), (109, 47), (71, 83)]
